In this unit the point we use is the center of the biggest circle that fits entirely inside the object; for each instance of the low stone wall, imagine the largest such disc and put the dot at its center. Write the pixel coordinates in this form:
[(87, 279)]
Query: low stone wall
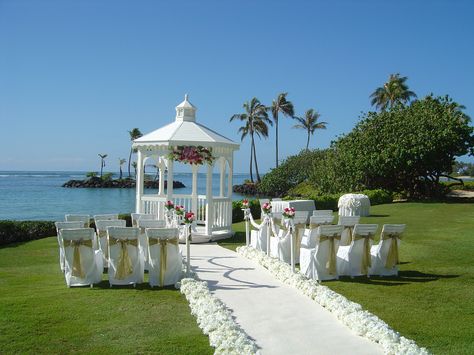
[(96, 182)]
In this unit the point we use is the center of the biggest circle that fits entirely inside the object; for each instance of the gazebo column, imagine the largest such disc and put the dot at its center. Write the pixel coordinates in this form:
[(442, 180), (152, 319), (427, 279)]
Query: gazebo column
[(222, 177), (161, 181), (139, 183), (169, 187), (194, 194), (209, 201), (229, 178)]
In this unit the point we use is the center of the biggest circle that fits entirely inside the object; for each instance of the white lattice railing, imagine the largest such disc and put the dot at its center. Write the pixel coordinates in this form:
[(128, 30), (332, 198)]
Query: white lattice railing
[(222, 216), (155, 205)]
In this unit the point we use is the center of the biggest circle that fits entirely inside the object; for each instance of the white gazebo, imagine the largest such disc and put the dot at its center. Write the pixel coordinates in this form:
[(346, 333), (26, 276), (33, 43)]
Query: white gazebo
[(185, 135)]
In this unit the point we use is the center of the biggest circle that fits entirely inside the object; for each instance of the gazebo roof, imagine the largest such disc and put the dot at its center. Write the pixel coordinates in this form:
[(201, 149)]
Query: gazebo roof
[(185, 131)]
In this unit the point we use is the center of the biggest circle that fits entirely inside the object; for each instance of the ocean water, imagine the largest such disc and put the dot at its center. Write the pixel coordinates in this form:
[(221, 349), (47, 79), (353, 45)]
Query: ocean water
[(39, 195)]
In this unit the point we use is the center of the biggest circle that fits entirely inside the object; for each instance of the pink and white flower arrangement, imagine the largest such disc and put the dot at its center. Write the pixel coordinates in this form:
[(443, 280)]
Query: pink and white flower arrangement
[(245, 204), (169, 205), (266, 208), (189, 217), (289, 212), (179, 210), (192, 155)]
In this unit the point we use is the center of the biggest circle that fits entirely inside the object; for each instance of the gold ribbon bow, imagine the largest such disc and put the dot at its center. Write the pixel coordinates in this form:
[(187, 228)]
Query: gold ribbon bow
[(314, 225), (163, 253), (102, 233), (76, 258), (331, 263), (351, 229), (392, 256), (124, 266), (366, 259)]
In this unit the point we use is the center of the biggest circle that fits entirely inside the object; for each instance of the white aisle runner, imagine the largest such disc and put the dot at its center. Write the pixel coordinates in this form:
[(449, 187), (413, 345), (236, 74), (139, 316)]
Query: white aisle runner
[(276, 316)]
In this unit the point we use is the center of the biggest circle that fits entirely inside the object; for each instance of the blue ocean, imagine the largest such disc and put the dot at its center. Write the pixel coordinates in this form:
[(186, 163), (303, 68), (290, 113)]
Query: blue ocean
[(39, 196)]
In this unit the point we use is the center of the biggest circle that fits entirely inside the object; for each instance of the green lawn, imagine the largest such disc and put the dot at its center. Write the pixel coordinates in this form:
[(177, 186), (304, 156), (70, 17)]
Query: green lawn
[(432, 299), (39, 314)]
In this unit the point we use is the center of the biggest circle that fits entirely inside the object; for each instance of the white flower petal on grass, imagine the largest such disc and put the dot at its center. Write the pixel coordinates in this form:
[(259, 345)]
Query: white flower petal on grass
[(351, 314)]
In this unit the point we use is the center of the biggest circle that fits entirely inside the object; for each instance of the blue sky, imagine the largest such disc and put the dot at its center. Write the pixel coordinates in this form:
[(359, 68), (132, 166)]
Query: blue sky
[(75, 76)]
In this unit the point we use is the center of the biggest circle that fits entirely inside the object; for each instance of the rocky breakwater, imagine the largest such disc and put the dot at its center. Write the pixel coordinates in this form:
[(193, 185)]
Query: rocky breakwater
[(246, 189), (97, 182)]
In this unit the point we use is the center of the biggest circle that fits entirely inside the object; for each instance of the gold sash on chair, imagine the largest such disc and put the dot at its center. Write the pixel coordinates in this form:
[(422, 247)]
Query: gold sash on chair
[(76, 258), (163, 253), (124, 265), (314, 225), (299, 228), (331, 263), (366, 259), (101, 234), (351, 229), (392, 256)]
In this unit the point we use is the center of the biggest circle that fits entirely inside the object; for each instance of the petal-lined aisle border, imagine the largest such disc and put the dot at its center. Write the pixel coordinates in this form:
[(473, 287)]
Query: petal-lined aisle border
[(215, 320), (350, 313)]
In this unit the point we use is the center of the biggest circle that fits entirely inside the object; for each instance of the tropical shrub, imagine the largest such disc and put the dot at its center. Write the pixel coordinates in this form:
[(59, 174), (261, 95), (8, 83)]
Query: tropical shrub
[(23, 231), (238, 214)]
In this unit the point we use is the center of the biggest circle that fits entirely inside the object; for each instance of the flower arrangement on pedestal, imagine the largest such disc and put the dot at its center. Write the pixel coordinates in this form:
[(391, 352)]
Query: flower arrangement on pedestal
[(189, 217), (192, 154), (169, 205), (179, 210), (289, 212), (266, 208), (245, 204)]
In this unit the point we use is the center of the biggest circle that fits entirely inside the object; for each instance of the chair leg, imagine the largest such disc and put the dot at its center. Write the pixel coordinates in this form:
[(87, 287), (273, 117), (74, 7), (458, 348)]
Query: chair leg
[(92, 285)]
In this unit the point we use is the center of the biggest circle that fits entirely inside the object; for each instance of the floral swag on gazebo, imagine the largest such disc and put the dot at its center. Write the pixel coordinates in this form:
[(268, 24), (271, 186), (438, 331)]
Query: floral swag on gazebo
[(192, 155)]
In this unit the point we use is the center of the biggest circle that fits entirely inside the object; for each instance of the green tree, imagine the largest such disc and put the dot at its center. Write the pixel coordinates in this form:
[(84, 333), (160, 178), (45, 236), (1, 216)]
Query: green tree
[(121, 162), (280, 105), (102, 163), (135, 165), (134, 134), (255, 121), (394, 91), (310, 123)]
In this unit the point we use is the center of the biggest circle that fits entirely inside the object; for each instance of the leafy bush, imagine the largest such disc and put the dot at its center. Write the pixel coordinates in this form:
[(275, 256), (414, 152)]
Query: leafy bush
[(467, 186), (378, 197), (107, 176), (91, 174), (22, 231), (238, 214)]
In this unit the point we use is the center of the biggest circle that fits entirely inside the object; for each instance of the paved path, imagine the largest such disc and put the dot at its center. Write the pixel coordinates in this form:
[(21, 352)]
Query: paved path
[(276, 316)]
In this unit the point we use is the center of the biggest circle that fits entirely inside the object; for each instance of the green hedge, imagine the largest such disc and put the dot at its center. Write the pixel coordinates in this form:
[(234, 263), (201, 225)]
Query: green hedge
[(238, 214), (23, 231)]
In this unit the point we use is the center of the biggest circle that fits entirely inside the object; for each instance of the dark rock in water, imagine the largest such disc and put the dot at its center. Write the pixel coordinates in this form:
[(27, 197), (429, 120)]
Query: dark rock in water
[(97, 182), (246, 189)]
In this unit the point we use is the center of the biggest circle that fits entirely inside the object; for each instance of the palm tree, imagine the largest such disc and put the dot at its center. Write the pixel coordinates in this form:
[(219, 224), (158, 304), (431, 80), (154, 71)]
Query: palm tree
[(310, 123), (394, 91), (255, 119), (134, 134), (102, 163), (281, 104), (135, 165), (121, 162)]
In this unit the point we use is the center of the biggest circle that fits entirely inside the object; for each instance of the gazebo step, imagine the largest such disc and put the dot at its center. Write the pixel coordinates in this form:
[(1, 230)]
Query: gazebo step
[(200, 235)]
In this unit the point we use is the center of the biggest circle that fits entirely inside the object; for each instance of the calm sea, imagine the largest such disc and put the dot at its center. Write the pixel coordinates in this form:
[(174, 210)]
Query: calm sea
[(39, 195)]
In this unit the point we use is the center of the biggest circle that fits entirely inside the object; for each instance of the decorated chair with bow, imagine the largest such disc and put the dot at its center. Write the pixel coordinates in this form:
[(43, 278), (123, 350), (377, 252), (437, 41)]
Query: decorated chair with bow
[(300, 220), (348, 222), (354, 259), (316, 221), (105, 217), (101, 227), (82, 264), (143, 216), (280, 244), (322, 213), (64, 225), (125, 257), (385, 253), (143, 224), (318, 258), (165, 262), (84, 218), (259, 235)]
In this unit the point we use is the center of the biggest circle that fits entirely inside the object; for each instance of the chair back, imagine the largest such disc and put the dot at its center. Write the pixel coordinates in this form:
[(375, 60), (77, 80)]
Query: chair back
[(365, 229), (77, 233), (361, 230), (320, 220), (329, 230), (105, 217), (123, 232), (322, 213), (126, 261), (102, 226), (84, 218), (348, 221), (68, 225), (143, 216), (301, 217), (150, 223), (162, 233), (276, 199), (393, 228)]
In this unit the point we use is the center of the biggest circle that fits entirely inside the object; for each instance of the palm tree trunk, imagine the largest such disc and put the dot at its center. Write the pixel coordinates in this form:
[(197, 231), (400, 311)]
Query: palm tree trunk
[(255, 159), (129, 162), (276, 140), (101, 167), (120, 178), (307, 142), (251, 161)]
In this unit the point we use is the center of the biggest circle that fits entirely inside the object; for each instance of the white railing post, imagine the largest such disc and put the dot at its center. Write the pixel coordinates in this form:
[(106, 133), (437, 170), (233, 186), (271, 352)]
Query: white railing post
[(247, 227), (139, 183), (209, 202)]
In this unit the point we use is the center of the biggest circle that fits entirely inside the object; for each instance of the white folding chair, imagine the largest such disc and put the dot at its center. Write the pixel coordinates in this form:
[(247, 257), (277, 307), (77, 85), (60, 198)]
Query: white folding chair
[(354, 259), (321, 262), (385, 253), (280, 246), (137, 216), (165, 262), (316, 221), (322, 213), (101, 227), (82, 264), (105, 217), (348, 222), (63, 225), (258, 238), (84, 218), (125, 257), (142, 224)]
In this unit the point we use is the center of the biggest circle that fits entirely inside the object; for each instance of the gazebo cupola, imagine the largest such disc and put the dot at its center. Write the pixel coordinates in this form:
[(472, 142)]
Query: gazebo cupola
[(191, 143)]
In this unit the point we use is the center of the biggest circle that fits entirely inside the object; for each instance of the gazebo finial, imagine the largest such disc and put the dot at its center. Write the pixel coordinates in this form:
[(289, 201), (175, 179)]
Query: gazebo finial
[(186, 97), (185, 111)]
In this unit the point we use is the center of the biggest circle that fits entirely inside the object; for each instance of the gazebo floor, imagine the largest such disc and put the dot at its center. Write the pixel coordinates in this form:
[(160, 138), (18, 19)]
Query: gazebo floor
[(200, 236)]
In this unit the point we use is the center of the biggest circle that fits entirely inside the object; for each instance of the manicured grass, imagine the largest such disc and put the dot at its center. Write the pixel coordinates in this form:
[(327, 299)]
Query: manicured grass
[(432, 299), (39, 314)]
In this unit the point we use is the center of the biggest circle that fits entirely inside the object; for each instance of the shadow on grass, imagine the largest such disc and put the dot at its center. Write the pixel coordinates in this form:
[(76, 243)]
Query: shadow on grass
[(104, 284), (379, 215), (404, 278)]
